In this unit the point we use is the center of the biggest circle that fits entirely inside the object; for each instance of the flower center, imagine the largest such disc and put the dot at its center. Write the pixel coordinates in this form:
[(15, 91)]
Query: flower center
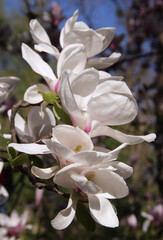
[(78, 148)]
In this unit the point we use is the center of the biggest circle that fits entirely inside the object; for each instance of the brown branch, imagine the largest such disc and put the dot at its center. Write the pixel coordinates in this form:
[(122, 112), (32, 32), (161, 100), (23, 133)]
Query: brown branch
[(137, 56), (50, 187), (3, 149)]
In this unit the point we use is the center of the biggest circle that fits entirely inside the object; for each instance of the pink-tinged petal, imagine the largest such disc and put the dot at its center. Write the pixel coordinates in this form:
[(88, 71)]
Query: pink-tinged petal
[(112, 103), (31, 148), (32, 96), (102, 63), (108, 34), (65, 217), (72, 57), (38, 65), (44, 47), (38, 196), (44, 173), (84, 185), (102, 211), (4, 219), (24, 217), (69, 103), (101, 130), (38, 33), (110, 183), (85, 82), (67, 28), (40, 126), (3, 194), (64, 173)]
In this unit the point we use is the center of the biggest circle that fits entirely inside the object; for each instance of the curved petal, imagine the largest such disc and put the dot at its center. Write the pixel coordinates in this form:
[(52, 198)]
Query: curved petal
[(38, 65), (67, 28), (38, 33), (101, 130), (31, 148), (116, 186), (44, 173), (63, 132), (85, 82), (44, 47), (10, 82), (69, 103), (108, 34), (122, 169), (104, 76), (102, 211), (3, 194), (84, 185), (72, 57), (40, 126), (64, 173), (112, 103), (1, 166), (102, 63), (65, 217), (32, 96)]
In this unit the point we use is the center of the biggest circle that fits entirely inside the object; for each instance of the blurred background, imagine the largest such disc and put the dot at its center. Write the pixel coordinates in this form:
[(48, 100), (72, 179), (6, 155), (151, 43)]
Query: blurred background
[(139, 38)]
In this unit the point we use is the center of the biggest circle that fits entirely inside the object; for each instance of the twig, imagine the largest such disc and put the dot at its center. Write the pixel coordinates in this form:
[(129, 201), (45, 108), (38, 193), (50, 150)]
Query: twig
[(50, 187)]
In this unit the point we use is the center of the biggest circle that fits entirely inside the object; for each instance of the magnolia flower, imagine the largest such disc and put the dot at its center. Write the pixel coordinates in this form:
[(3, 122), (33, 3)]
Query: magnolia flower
[(90, 182), (3, 192), (37, 126), (7, 84), (78, 149), (92, 96), (77, 32), (14, 224)]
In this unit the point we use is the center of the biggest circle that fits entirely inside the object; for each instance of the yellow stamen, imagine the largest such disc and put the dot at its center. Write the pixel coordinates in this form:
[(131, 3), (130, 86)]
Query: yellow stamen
[(90, 177), (78, 148)]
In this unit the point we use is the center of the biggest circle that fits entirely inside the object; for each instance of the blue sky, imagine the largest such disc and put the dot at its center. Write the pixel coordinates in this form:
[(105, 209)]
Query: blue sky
[(103, 14)]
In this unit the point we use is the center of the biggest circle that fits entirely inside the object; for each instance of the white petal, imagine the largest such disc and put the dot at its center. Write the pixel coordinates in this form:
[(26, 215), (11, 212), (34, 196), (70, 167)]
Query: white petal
[(102, 63), (32, 96), (31, 148), (10, 82), (65, 217), (85, 82), (102, 211), (69, 103), (84, 185), (108, 34), (104, 76), (38, 33), (64, 173), (1, 166), (44, 173), (72, 57), (40, 126), (101, 130), (112, 104), (44, 47), (110, 183), (122, 169), (63, 132), (38, 65), (67, 28), (3, 194)]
